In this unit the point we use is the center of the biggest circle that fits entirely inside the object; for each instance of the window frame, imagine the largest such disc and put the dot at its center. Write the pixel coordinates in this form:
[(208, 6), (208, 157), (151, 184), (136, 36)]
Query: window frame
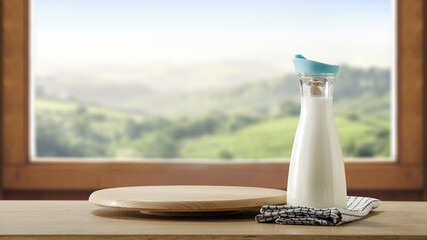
[(19, 173)]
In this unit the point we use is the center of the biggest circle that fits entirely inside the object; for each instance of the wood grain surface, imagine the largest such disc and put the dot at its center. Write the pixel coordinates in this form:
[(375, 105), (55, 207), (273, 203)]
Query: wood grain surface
[(83, 220), (187, 198)]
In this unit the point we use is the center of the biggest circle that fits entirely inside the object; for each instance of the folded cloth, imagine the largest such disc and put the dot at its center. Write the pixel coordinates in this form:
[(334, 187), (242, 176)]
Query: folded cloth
[(357, 208)]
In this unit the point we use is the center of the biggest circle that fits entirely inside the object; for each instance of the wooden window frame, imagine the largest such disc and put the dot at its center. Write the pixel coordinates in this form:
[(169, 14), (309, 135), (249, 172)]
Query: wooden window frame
[(19, 173)]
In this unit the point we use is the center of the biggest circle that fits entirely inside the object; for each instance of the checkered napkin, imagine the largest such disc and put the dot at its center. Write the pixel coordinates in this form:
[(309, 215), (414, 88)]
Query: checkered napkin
[(357, 208)]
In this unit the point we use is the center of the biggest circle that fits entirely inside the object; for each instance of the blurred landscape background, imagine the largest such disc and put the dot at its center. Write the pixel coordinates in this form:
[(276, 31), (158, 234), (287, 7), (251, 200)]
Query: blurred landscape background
[(76, 117), (203, 79)]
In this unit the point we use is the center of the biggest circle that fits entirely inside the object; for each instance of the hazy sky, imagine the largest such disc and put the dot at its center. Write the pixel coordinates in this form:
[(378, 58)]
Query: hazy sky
[(82, 34)]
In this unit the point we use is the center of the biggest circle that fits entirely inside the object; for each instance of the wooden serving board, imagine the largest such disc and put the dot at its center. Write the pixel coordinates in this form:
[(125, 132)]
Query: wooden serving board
[(160, 200)]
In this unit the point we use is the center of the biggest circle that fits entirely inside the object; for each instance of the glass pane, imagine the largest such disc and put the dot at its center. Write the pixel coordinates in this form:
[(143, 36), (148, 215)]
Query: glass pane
[(203, 80)]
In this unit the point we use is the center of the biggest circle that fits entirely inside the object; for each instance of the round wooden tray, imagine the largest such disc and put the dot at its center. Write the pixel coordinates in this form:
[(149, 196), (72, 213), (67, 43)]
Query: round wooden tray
[(194, 200)]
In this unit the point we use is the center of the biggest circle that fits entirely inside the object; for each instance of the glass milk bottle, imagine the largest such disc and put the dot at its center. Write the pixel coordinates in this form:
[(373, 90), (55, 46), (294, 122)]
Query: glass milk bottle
[(316, 174)]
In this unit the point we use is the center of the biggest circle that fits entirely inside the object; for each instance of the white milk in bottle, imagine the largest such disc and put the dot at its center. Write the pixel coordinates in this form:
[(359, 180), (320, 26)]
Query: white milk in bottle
[(316, 175)]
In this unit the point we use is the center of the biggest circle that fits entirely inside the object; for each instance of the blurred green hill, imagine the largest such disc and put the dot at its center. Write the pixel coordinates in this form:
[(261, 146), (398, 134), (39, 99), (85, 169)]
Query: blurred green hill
[(254, 120)]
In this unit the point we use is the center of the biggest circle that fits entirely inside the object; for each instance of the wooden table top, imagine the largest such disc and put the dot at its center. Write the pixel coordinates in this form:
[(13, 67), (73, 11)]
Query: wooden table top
[(82, 220)]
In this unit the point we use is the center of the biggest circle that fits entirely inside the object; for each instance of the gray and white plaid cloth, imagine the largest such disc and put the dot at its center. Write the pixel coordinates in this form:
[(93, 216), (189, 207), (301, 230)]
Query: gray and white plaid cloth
[(357, 208)]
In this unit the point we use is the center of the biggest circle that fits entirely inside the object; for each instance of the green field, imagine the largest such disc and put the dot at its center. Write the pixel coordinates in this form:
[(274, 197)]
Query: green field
[(274, 139), (70, 129)]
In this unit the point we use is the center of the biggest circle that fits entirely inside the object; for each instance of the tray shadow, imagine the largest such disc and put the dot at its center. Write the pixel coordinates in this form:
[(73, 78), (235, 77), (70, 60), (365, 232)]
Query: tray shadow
[(135, 215)]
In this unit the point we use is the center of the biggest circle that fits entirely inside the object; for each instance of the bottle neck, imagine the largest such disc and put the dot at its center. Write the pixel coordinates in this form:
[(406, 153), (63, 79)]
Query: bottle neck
[(316, 85)]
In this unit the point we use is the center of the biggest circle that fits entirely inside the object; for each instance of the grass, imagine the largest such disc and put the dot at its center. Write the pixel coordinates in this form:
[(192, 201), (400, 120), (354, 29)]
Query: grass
[(268, 139), (274, 139)]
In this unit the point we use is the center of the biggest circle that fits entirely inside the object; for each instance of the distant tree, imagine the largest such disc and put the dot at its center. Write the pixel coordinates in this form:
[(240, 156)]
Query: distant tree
[(81, 126), (157, 145), (237, 122), (365, 150), (208, 124), (289, 109), (353, 117), (133, 129), (51, 140), (81, 110), (350, 148), (99, 117), (225, 154)]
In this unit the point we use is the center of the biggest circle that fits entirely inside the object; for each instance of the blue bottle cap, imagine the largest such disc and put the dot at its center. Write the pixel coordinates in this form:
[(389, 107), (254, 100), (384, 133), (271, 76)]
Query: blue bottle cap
[(303, 65)]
